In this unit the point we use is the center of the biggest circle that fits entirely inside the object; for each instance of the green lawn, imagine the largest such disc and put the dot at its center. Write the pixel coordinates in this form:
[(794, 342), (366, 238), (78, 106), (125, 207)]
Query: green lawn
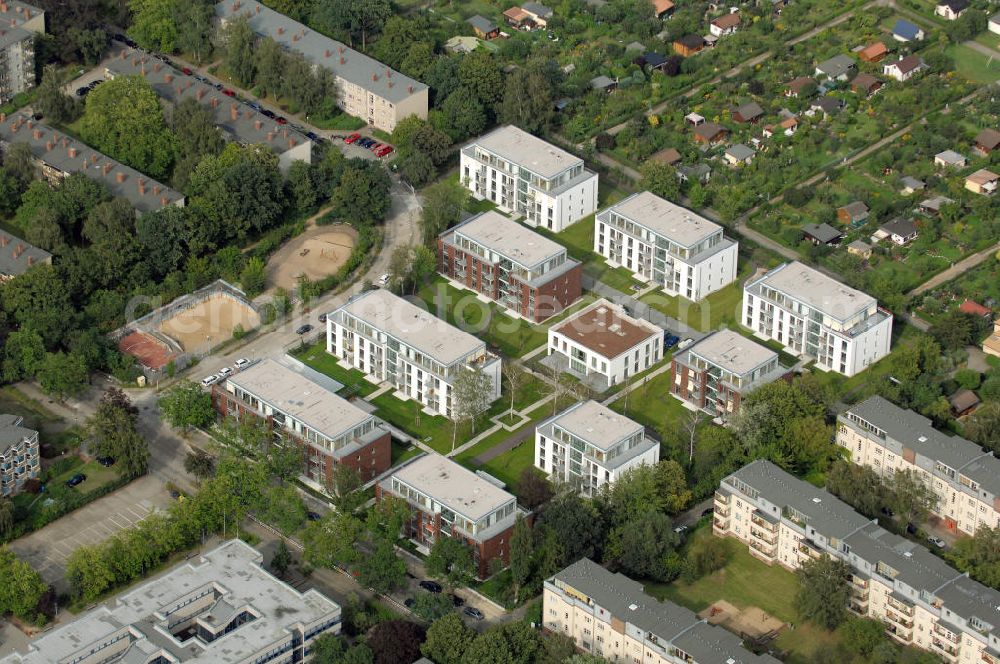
[(434, 430), (973, 65), (341, 121), (317, 358), (721, 308), (401, 453), (989, 39), (651, 405), (578, 239), (508, 466)]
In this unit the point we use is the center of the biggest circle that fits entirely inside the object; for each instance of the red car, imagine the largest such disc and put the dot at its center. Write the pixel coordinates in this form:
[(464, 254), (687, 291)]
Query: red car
[(186, 70), (228, 92), (280, 120), (383, 151), (353, 137), (375, 147)]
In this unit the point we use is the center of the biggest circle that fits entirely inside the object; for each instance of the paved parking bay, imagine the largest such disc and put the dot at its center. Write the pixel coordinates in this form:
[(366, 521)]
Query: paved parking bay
[(48, 549)]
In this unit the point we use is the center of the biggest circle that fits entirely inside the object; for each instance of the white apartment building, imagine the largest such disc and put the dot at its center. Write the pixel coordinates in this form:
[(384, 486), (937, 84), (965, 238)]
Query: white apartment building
[(921, 600), (19, 460), (602, 343), (528, 177), (590, 445), (610, 615), (392, 340), (816, 316), (879, 434), (222, 607), (365, 87), (20, 23), (664, 244)]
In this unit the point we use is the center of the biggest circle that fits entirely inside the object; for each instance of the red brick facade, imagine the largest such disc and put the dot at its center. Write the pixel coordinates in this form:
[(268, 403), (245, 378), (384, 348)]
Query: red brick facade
[(550, 298), (423, 527), (370, 460), (700, 378)]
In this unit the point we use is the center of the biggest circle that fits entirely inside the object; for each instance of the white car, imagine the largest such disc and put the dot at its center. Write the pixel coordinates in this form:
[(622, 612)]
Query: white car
[(383, 280), (936, 541), (242, 363), (225, 371), (208, 380), (684, 344)]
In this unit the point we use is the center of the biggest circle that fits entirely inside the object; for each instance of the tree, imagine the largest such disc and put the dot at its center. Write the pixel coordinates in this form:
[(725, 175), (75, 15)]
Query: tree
[(395, 641), (471, 395), (451, 561), (522, 545), (911, 497), (238, 38), (194, 28), (19, 162), (983, 426), (57, 106), (447, 640), (432, 606), (480, 73), (645, 547), (63, 374), (110, 229), (462, 115), (22, 588), (443, 205), (423, 266), (661, 179), (345, 487), (88, 573), (527, 101), (270, 59), (200, 464), (332, 541), (301, 188), (197, 135), (862, 635), (187, 405), (154, 24), (659, 487), (253, 278), (362, 195), (327, 649), (859, 486), (823, 591), (510, 643), (39, 299), (706, 556), (123, 119), (281, 560), (979, 555), (23, 352), (382, 570), (533, 489), (556, 648), (112, 432), (577, 526), (6, 517)]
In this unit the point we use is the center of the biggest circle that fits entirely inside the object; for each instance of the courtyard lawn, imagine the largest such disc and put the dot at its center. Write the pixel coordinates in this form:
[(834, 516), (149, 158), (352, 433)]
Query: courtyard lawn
[(508, 466), (401, 453), (651, 405), (974, 65), (433, 430), (354, 381), (578, 239), (721, 308)]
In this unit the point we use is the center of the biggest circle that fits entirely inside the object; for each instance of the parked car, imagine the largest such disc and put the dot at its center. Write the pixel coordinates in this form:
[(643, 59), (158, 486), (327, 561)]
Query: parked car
[(186, 70), (374, 147), (228, 92), (352, 138), (366, 142), (79, 478), (409, 602), (430, 586), (456, 600), (254, 105), (384, 150), (242, 363), (302, 329), (93, 84), (680, 529), (936, 541), (175, 494), (208, 380), (322, 318), (82, 91), (280, 120), (267, 113), (684, 344), (106, 461), (473, 612), (709, 512), (311, 135), (671, 340), (313, 516), (225, 371), (383, 280)]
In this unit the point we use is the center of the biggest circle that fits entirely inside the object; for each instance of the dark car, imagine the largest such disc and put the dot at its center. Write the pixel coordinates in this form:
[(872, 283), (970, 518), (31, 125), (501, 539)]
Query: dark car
[(82, 91), (106, 461), (473, 612), (217, 86), (671, 340), (303, 329), (131, 43), (322, 318), (79, 478), (431, 586), (708, 512), (312, 136), (365, 142), (456, 600), (93, 84), (409, 602), (255, 106), (267, 113), (313, 516)]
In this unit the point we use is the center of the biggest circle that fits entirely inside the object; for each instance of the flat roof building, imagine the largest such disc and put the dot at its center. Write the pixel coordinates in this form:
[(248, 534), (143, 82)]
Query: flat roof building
[(611, 616), (222, 607), (814, 315), (665, 244), (528, 177), (589, 445), (879, 434), (527, 273), (237, 120), (602, 345), (302, 405), (21, 23), (19, 459), (392, 340), (366, 88), (59, 155), (716, 373), (448, 498), (919, 598)]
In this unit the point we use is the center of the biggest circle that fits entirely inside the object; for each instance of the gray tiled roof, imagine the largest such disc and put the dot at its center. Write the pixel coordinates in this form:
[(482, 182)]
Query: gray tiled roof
[(16, 255), (836, 66), (70, 155), (822, 232), (322, 51), (481, 23), (671, 624)]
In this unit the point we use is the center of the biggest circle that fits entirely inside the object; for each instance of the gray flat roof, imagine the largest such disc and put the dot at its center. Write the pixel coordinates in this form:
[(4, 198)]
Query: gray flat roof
[(916, 432), (16, 255), (518, 146), (294, 393), (413, 325), (740, 152), (248, 126), (626, 600), (12, 433), (670, 220), (508, 238), (595, 423), (320, 50), (233, 571), (951, 157), (732, 351), (836, 66), (453, 485), (54, 148), (817, 290)]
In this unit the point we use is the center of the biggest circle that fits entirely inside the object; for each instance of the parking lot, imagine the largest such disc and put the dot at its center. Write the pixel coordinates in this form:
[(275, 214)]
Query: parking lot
[(48, 549)]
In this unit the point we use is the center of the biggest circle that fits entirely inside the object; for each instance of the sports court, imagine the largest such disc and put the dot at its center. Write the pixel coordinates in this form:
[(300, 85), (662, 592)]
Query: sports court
[(150, 351), (209, 321)]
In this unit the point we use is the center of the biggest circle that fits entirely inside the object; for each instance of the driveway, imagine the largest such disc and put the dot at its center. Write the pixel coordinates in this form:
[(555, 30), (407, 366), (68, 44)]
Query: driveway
[(48, 549)]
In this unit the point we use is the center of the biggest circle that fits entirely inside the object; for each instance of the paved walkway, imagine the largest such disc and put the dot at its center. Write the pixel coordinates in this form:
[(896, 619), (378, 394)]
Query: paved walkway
[(955, 270)]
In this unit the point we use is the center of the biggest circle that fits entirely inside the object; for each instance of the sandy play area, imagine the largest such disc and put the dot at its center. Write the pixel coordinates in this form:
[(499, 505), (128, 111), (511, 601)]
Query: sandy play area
[(751, 621), (318, 252), (209, 322), (146, 348)]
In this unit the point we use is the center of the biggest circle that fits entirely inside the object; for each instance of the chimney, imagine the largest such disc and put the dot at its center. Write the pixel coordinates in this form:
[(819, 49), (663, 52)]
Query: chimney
[(281, 31), (31, 124), (4, 240), (284, 133), (156, 190), (135, 62), (327, 53), (270, 136), (72, 152), (341, 49), (157, 66), (163, 199), (3, 7), (142, 187), (258, 9), (215, 102), (119, 177), (257, 124), (93, 158), (168, 78), (3, 117), (37, 134), (201, 93), (233, 112), (180, 89), (106, 168), (123, 55), (49, 146), (343, 60), (295, 38), (18, 250), (374, 77), (291, 143), (390, 83), (388, 73), (31, 261), (65, 141), (409, 89)]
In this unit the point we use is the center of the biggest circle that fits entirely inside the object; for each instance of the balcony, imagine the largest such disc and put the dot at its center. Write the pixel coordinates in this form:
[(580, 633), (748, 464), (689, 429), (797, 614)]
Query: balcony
[(902, 607), (946, 650), (807, 549), (901, 621), (721, 500), (768, 538), (720, 523), (763, 551), (758, 520), (947, 635), (991, 657)]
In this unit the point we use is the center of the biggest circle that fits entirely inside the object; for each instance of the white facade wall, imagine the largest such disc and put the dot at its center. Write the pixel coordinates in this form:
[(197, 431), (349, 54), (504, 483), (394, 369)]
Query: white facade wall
[(552, 458), (633, 361)]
